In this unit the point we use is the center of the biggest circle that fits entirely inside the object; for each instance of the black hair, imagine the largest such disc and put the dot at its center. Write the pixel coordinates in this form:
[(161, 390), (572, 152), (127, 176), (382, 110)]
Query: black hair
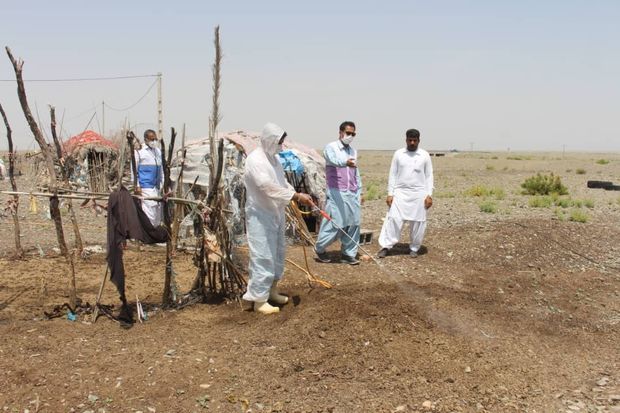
[(346, 123), (146, 132), (413, 134)]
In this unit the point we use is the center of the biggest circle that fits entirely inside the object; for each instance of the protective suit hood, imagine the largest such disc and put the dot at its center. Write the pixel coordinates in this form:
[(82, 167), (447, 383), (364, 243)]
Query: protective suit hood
[(270, 138)]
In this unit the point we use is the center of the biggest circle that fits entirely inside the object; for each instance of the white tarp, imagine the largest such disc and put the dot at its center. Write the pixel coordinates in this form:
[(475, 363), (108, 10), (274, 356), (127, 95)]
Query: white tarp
[(236, 147)]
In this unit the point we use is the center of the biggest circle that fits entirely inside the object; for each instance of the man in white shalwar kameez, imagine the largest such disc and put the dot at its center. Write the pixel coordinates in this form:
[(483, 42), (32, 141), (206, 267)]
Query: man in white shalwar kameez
[(410, 190)]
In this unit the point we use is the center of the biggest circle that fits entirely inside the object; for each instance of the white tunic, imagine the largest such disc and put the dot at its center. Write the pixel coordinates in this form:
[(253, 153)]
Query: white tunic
[(410, 182)]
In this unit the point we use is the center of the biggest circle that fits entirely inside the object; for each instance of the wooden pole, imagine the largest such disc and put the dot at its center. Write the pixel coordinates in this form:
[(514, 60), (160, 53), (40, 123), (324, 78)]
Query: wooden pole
[(103, 280), (65, 178), (19, 252), (18, 65), (168, 296), (131, 138), (198, 204)]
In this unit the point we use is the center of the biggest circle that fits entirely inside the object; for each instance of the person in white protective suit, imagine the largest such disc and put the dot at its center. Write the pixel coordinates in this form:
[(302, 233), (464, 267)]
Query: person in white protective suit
[(150, 176), (267, 195), (410, 190)]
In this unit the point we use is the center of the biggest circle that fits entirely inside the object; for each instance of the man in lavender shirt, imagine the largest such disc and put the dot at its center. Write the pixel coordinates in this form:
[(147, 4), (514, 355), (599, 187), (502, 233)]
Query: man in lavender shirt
[(344, 188)]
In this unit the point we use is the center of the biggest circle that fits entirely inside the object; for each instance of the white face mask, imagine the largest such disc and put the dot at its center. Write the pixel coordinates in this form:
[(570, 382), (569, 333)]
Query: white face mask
[(151, 144), (347, 139)]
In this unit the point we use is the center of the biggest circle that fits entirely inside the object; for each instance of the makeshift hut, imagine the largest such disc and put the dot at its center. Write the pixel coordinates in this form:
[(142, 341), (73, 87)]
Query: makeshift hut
[(304, 168), (91, 161)]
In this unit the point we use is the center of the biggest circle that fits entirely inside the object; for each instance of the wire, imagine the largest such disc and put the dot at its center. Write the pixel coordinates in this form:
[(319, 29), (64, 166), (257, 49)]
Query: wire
[(88, 124), (83, 79), (131, 106), (90, 110)]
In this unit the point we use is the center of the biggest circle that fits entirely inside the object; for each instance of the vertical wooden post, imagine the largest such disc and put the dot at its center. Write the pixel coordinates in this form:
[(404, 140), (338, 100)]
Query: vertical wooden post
[(49, 160), (167, 298), (65, 178), (19, 252)]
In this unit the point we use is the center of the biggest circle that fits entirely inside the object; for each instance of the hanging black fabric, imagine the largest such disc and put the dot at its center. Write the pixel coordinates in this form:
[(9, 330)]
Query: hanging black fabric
[(126, 220)]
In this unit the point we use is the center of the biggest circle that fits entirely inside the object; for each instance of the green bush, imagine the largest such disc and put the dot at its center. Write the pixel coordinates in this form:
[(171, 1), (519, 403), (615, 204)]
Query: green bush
[(540, 202), (588, 203), (578, 215), (372, 192), (483, 191), (490, 168), (563, 202), (488, 206), (559, 213), (602, 162), (580, 171), (543, 185)]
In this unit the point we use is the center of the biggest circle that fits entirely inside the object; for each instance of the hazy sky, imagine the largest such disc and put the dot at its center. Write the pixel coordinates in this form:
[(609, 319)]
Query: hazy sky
[(524, 75)]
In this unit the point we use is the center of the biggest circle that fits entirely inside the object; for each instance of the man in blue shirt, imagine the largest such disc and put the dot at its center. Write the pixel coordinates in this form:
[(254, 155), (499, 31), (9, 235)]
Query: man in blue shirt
[(150, 176), (344, 188)]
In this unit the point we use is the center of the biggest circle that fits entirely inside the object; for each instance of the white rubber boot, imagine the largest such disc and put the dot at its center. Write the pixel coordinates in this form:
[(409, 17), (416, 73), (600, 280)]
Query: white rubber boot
[(275, 297), (264, 307)]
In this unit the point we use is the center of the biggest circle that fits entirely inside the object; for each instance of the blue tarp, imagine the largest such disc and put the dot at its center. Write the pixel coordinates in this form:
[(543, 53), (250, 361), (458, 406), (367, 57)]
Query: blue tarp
[(290, 162)]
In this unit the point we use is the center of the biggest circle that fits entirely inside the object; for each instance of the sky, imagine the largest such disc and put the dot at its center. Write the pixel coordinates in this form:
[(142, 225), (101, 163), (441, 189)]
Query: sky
[(496, 75)]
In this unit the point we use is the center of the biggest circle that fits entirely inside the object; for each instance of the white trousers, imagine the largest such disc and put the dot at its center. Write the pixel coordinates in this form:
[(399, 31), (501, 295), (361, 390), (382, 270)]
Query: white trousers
[(267, 251), (152, 209), (390, 233)]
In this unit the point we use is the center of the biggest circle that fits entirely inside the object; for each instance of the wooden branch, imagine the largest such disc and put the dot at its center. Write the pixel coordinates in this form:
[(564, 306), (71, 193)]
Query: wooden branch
[(87, 196), (215, 117), (18, 65), (56, 141), (49, 160), (19, 252), (65, 179), (131, 138), (217, 80), (217, 176), (167, 298), (179, 209)]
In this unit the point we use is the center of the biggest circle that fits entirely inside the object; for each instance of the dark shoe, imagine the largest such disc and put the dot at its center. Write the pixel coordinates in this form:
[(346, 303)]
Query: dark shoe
[(345, 259), (413, 254), (322, 256), (383, 252)]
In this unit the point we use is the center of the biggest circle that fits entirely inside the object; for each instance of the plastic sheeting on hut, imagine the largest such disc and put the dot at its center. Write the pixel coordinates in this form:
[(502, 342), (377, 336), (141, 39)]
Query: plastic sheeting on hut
[(91, 161), (304, 167)]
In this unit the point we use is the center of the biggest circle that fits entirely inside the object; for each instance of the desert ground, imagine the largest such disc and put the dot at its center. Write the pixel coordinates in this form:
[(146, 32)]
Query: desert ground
[(514, 307)]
